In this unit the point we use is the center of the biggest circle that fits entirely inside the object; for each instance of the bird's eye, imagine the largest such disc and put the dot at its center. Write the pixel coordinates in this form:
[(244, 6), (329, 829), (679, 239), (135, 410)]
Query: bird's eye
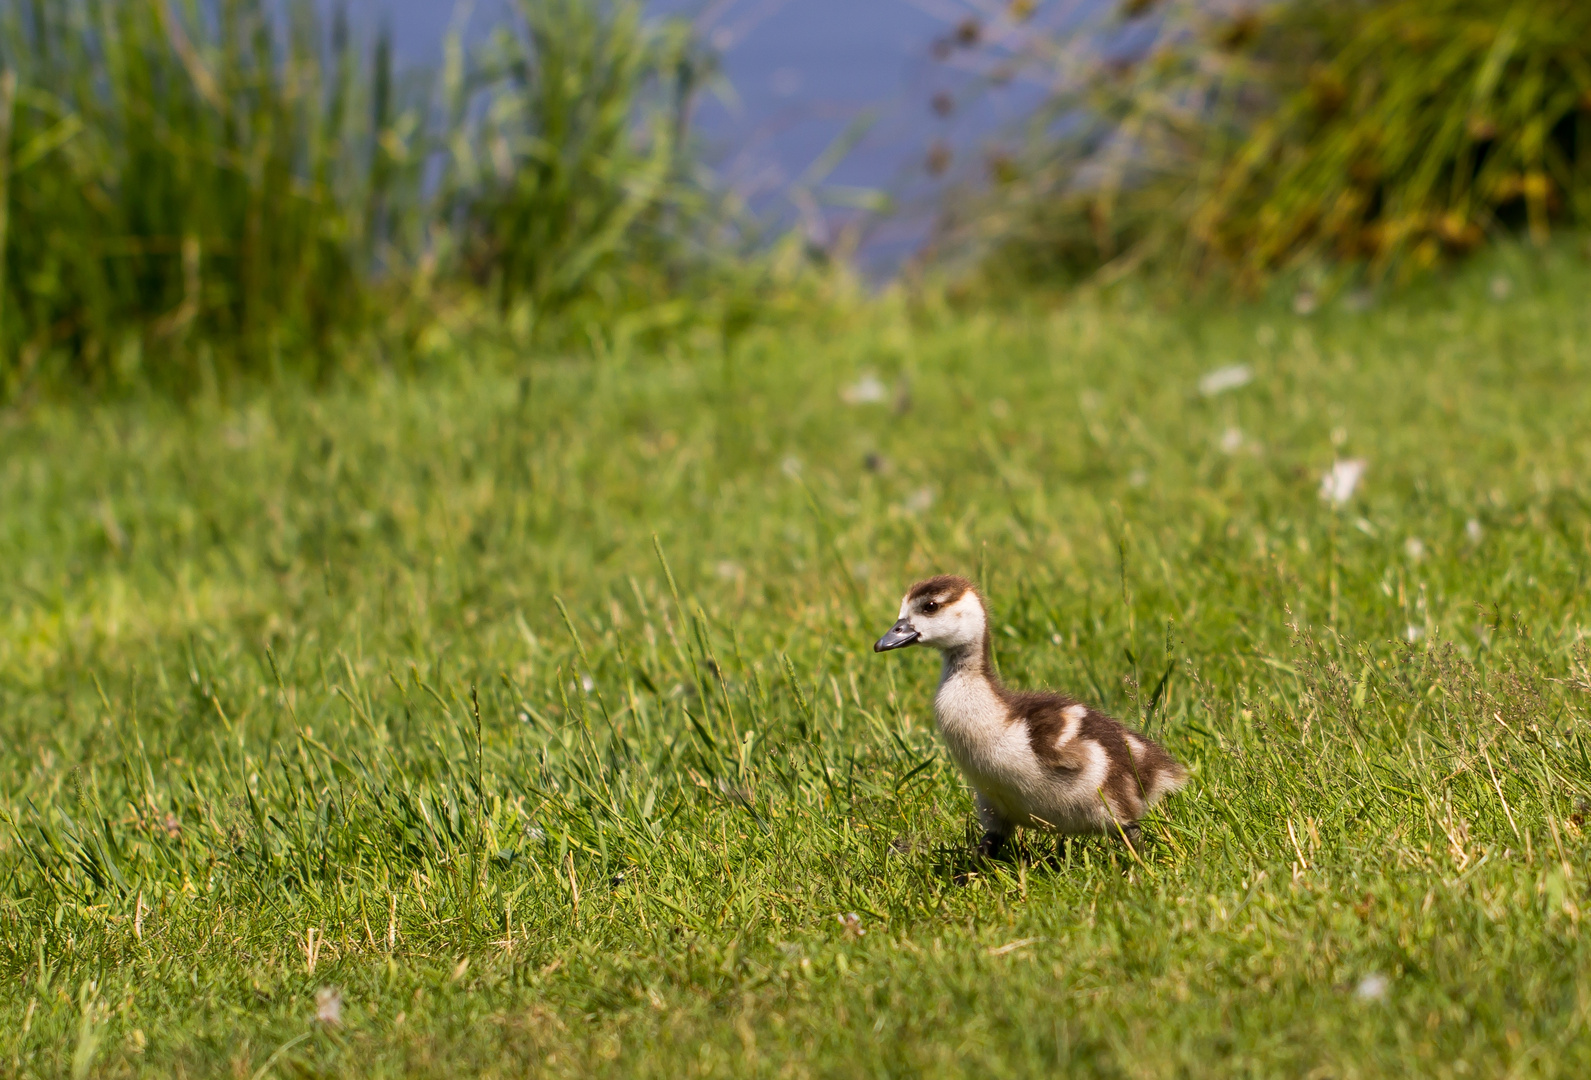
[(931, 607)]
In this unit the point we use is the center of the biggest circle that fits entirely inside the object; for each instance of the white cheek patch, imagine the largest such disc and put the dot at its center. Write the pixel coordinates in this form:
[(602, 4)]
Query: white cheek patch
[(905, 605), (966, 622), (967, 608)]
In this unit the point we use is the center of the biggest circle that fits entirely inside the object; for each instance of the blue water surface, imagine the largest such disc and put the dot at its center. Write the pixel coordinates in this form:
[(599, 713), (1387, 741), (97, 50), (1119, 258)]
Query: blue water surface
[(798, 76)]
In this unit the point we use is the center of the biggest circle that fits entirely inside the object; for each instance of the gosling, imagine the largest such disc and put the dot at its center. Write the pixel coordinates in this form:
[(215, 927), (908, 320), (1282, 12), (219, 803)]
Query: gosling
[(1035, 759)]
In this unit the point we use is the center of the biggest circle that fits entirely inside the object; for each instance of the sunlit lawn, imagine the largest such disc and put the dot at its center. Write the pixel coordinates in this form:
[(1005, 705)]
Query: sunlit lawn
[(364, 731)]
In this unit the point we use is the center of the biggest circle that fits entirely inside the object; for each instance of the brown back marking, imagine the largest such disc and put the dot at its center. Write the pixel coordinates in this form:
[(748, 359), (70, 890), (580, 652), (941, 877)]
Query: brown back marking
[(1129, 779)]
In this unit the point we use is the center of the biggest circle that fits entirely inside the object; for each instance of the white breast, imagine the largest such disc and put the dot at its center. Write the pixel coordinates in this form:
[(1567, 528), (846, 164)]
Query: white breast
[(993, 753), (970, 713)]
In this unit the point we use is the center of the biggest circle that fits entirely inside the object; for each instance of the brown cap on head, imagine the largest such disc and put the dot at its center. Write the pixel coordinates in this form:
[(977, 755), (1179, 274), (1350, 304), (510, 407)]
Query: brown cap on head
[(946, 588)]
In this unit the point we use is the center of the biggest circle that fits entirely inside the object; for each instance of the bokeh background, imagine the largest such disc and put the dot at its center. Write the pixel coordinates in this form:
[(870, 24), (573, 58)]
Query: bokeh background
[(800, 77)]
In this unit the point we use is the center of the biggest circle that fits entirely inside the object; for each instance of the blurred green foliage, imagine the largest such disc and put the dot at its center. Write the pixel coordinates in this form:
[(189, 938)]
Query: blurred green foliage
[(190, 192), (173, 181), (1378, 134), (574, 172)]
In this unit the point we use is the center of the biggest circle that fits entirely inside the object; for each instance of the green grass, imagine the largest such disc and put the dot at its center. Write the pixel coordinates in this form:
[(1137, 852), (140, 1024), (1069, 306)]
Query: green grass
[(289, 703)]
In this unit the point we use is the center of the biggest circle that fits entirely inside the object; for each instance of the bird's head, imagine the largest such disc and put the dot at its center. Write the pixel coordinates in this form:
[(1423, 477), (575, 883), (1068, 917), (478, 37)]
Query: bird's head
[(945, 612)]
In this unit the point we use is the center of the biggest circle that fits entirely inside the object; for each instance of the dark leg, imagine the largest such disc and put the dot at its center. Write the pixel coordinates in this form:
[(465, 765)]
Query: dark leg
[(996, 829)]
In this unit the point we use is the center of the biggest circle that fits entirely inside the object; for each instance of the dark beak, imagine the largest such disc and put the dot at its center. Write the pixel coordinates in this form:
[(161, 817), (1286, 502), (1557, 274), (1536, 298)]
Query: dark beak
[(900, 635)]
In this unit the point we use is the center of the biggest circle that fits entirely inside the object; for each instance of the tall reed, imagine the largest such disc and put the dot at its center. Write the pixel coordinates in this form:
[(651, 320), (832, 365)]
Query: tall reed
[(188, 186), (575, 180), (194, 190), (1406, 130), (1249, 140)]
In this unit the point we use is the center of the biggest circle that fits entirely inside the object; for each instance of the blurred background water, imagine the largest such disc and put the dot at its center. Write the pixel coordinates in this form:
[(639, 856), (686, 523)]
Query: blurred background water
[(888, 82)]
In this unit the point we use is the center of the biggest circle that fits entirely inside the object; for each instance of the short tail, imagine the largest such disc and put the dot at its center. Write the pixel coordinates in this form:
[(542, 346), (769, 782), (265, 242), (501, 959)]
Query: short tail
[(1160, 773), (1173, 777)]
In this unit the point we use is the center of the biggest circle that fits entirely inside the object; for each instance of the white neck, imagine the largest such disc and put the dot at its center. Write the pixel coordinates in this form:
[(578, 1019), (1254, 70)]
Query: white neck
[(963, 661), (969, 708)]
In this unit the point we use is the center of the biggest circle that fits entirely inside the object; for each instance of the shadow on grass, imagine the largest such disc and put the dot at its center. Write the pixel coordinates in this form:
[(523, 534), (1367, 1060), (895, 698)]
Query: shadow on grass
[(963, 863)]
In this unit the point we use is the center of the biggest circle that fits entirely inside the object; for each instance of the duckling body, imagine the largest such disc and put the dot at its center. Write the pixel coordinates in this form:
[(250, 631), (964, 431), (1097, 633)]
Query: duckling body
[(1034, 759)]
